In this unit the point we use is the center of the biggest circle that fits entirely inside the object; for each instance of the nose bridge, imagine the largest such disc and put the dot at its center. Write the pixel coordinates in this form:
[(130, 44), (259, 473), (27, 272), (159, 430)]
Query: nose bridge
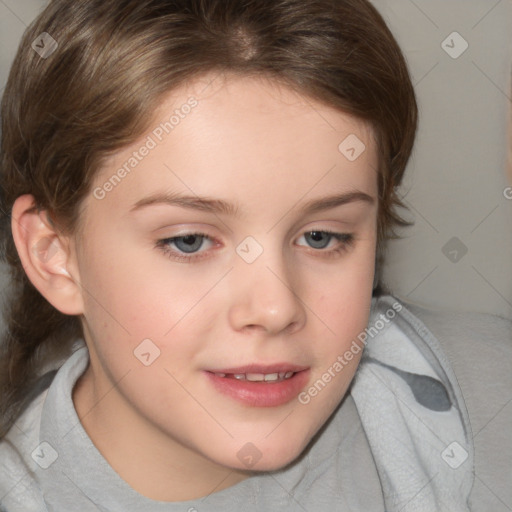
[(265, 292)]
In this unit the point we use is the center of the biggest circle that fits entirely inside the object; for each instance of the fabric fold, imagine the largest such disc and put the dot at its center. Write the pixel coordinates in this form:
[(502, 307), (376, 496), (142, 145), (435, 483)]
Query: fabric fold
[(414, 416)]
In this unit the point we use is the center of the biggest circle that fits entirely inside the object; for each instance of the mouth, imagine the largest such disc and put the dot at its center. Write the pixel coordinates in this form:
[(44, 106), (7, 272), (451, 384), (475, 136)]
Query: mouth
[(258, 377), (260, 386)]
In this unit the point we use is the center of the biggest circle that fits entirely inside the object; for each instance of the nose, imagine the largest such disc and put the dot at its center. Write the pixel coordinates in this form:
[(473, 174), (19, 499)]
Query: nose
[(264, 297)]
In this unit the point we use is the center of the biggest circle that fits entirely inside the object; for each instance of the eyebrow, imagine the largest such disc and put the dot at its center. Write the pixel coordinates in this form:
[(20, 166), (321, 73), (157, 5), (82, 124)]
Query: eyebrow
[(218, 206)]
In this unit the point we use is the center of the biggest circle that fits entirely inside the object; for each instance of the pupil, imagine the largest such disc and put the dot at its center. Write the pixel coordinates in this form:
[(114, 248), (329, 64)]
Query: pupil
[(189, 239)]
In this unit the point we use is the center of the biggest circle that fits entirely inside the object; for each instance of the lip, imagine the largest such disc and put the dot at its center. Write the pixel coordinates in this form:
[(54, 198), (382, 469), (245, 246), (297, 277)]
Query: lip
[(260, 394), (260, 368)]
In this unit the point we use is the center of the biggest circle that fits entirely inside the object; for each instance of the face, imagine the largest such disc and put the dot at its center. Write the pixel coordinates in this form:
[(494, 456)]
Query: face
[(238, 246)]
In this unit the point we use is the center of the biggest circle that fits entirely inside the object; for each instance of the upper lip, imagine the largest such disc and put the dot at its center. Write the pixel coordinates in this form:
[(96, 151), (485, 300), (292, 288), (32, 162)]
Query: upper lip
[(261, 368)]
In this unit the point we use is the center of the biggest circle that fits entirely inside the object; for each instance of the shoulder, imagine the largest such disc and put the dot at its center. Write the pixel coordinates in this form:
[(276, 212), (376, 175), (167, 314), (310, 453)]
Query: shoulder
[(18, 454), (479, 349)]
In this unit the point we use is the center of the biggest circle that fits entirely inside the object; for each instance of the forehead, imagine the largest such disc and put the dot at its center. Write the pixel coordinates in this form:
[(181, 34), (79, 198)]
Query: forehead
[(248, 137)]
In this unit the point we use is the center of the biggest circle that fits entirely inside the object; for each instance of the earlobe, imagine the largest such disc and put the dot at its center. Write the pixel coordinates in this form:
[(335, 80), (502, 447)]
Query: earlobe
[(46, 256)]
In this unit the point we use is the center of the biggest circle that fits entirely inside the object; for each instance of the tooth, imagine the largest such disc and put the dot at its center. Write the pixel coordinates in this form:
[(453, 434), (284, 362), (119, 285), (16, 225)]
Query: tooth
[(255, 376), (260, 377)]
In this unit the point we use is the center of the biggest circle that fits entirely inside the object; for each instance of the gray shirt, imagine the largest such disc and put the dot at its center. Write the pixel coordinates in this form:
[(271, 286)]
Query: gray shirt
[(48, 462)]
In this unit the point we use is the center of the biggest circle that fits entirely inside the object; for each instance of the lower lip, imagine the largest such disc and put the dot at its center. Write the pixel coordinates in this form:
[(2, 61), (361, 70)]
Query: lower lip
[(261, 394)]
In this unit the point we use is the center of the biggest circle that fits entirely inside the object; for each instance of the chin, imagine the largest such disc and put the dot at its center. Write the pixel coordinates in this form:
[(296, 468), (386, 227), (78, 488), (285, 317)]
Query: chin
[(271, 457)]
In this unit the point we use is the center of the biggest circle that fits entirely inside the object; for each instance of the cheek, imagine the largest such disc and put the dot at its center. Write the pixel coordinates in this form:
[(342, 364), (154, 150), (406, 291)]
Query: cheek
[(344, 297), (343, 309), (134, 289), (344, 314), (133, 301)]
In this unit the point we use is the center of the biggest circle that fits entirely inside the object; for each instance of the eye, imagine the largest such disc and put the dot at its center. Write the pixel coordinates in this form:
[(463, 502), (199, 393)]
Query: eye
[(191, 246), (184, 247), (322, 239)]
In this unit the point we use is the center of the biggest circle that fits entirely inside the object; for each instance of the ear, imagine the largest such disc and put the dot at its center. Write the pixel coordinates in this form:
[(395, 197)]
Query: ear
[(47, 256)]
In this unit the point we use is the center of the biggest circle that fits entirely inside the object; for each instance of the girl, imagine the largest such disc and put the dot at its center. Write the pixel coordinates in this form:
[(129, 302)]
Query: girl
[(196, 198)]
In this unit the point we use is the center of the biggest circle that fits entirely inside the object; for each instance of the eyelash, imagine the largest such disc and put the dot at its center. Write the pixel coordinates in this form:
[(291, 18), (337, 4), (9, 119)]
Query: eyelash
[(346, 240)]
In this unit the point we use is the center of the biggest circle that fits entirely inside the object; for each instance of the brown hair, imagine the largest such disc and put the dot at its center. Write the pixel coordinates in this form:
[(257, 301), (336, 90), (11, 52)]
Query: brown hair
[(63, 113)]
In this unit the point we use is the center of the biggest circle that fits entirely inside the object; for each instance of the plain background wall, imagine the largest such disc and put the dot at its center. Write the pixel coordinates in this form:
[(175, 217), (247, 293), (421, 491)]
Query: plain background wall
[(458, 255), (456, 182)]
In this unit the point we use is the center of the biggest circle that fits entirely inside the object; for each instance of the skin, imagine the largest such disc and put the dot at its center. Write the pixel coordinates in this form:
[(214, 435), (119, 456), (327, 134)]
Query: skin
[(270, 150)]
